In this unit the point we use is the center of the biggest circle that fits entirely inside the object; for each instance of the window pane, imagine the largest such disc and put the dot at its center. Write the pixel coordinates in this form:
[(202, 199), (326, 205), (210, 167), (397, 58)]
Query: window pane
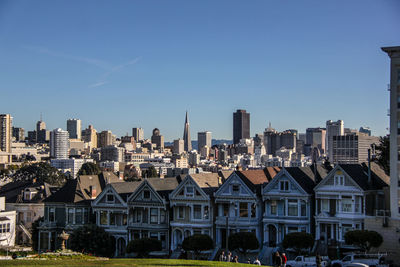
[(78, 216), (103, 218), (197, 211), (206, 213), (243, 209), (273, 207), (70, 215), (153, 216), (292, 207)]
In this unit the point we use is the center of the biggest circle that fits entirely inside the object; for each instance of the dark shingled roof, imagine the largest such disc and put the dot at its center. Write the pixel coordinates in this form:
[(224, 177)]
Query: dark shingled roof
[(359, 173), (13, 191), (307, 177), (125, 189), (78, 190), (163, 186)]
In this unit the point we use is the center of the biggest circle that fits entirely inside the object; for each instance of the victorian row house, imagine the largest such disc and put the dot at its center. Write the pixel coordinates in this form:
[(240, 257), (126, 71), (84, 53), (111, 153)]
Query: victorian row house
[(270, 203)]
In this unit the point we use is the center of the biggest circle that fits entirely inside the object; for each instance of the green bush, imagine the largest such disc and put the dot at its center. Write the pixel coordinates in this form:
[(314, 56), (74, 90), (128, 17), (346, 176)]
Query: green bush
[(243, 241), (91, 239), (298, 241), (197, 243), (143, 246), (364, 239)]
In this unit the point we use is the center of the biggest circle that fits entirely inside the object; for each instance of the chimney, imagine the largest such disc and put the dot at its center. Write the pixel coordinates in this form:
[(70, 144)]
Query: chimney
[(369, 166), (93, 192)]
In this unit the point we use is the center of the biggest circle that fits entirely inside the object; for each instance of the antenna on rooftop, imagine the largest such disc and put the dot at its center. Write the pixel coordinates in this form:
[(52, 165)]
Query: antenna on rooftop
[(41, 116)]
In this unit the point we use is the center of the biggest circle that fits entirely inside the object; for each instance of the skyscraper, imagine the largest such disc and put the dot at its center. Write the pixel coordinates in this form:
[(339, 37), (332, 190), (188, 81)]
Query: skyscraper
[(394, 54), (59, 144), (105, 138), (19, 134), (203, 139), (157, 139), (241, 125), (186, 135), (74, 128), (90, 136), (333, 128), (316, 137), (5, 132), (138, 134), (179, 146)]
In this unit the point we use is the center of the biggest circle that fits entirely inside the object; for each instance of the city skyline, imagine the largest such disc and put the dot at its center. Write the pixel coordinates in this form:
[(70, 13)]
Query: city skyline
[(295, 65)]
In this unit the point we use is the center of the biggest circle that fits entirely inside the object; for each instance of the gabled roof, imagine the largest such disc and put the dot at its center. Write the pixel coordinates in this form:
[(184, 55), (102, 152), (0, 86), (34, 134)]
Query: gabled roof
[(13, 191), (254, 179), (163, 186), (125, 189), (359, 173), (78, 190), (249, 187), (208, 182)]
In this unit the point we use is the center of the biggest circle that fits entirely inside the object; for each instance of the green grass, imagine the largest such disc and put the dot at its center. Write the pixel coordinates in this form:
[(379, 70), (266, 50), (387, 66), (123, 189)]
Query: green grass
[(120, 262)]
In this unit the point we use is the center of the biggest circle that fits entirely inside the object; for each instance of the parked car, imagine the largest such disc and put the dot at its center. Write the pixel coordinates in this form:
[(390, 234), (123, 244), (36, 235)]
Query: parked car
[(302, 261), (372, 260)]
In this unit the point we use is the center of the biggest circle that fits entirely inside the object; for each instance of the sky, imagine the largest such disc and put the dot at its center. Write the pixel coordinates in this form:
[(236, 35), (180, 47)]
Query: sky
[(123, 64)]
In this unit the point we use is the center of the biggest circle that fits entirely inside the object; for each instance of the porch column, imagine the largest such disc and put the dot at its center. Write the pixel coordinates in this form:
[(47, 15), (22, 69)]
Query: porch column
[(317, 233), (340, 231), (49, 241), (39, 241), (286, 207)]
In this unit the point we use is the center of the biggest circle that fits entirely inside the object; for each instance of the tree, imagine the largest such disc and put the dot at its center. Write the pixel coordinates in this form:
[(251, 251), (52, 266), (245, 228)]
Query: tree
[(298, 241), (197, 243), (143, 246), (42, 172), (92, 239), (364, 239), (243, 241), (89, 168), (383, 153), (150, 172)]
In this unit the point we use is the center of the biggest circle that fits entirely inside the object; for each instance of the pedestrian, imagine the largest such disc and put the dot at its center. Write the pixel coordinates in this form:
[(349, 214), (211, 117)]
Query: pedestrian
[(284, 260), (229, 257), (318, 260), (257, 262), (248, 261), (277, 260), (222, 256)]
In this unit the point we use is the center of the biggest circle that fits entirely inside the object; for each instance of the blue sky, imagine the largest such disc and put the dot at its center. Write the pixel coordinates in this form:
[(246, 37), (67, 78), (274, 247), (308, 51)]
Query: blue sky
[(124, 64)]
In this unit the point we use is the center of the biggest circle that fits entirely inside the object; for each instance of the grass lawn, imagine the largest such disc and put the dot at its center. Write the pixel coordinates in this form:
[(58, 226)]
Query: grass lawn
[(119, 262)]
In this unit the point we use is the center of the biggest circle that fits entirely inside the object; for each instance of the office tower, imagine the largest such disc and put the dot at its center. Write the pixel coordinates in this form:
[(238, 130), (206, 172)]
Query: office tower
[(333, 128), (112, 153), (59, 144), (288, 139), (365, 130), (5, 132), (394, 54), (179, 146), (105, 138), (186, 134), (89, 135), (40, 125), (138, 134), (316, 137), (352, 148), (157, 139), (203, 139), (241, 125), (74, 128), (18, 134)]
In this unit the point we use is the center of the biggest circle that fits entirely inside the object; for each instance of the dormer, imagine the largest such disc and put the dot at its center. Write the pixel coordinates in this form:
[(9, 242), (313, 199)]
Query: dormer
[(338, 179)]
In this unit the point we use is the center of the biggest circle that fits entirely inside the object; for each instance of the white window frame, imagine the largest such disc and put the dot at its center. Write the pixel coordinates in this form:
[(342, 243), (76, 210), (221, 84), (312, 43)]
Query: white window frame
[(284, 186)]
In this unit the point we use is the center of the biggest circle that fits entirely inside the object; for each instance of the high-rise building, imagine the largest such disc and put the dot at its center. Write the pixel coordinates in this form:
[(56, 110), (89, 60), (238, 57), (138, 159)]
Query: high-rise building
[(203, 139), (5, 132), (59, 144), (241, 125), (186, 134), (179, 146), (89, 136), (40, 125), (18, 134), (138, 134), (105, 138), (333, 128), (352, 148), (316, 137), (157, 139), (394, 54), (74, 128)]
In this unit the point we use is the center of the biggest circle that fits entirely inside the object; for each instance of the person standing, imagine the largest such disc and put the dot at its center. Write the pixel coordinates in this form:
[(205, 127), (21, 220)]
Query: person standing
[(277, 260), (284, 260), (229, 257), (236, 259), (222, 256)]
